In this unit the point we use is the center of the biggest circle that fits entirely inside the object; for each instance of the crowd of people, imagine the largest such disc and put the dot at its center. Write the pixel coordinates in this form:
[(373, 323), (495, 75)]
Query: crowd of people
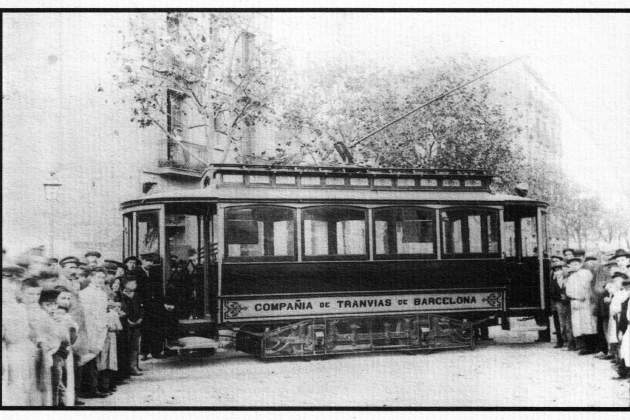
[(73, 329), (590, 306)]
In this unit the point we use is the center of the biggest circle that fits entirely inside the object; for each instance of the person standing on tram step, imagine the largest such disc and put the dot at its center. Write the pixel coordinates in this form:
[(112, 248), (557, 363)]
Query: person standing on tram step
[(150, 295), (194, 274), (583, 321), (560, 304), (92, 258)]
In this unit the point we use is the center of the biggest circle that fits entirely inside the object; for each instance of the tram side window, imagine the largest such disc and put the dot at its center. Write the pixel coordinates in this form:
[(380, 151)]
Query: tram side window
[(529, 237), (470, 232), (260, 232), (404, 231), (334, 231)]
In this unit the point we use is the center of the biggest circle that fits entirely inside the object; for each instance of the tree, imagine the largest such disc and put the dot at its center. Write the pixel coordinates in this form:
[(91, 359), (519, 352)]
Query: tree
[(465, 130), (186, 76)]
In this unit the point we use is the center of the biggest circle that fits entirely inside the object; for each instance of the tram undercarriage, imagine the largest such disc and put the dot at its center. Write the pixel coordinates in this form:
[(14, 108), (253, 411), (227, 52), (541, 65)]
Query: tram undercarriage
[(321, 337)]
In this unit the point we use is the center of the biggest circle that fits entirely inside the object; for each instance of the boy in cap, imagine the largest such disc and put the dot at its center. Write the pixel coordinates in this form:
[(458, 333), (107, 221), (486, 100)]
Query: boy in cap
[(561, 306)]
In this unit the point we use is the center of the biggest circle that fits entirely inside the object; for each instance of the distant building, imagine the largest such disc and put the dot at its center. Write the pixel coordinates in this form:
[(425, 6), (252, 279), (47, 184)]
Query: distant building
[(536, 110)]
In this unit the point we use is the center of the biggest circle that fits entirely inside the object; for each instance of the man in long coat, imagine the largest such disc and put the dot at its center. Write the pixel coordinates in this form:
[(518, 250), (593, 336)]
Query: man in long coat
[(94, 302), (583, 319)]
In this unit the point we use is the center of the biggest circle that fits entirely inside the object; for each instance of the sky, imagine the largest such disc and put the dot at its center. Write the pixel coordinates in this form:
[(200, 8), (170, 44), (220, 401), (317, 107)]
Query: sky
[(583, 58)]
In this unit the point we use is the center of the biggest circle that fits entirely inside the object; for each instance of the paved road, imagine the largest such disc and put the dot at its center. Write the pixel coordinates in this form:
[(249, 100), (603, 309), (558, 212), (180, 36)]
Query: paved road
[(511, 371)]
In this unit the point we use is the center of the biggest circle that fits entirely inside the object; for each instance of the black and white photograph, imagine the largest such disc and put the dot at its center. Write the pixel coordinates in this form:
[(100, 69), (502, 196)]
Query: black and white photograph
[(317, 208)]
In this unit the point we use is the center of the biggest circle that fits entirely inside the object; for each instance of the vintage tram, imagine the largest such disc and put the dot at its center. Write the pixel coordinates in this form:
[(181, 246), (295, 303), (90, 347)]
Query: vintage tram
[(310, 261)]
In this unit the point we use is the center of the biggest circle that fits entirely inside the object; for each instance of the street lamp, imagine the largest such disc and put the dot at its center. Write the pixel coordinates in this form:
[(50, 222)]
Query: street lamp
[(51, 192)]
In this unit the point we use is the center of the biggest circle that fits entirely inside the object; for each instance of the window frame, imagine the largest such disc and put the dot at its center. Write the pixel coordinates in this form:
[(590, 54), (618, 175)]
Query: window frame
[(139, 214), (329, 257), (472, 211), (265, 258), (399, 256)]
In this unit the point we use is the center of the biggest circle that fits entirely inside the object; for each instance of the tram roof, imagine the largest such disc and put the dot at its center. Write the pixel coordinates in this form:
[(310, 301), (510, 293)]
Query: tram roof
[(242, 194)]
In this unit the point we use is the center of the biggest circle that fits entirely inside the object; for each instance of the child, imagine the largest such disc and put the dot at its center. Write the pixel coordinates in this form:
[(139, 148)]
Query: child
[(65, 301), (48, 302), (107, 360)]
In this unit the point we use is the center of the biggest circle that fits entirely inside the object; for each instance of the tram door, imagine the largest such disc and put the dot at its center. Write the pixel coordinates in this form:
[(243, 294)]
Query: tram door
[(521, 256), (191, 268)]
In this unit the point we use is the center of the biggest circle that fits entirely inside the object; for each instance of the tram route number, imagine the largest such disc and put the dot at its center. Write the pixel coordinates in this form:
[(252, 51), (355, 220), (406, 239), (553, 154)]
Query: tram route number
[(340, 305)]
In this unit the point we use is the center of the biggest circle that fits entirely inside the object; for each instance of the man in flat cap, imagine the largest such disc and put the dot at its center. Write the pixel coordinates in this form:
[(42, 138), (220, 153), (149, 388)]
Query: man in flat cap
[(92, 258), (579, 291)]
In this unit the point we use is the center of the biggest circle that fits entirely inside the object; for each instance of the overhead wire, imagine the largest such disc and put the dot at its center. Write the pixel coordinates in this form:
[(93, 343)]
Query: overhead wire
[(429, 102)]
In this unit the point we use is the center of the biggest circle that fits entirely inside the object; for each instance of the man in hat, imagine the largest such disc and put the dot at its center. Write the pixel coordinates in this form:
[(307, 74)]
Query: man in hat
[(561, 305), (92, 258), (68, 273), (622, 258), (579, 291), (94, 301), (619, 320), (600, 293)]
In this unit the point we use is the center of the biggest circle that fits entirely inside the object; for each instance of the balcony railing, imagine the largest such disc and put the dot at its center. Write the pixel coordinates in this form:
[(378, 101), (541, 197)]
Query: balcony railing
[(190, 156)]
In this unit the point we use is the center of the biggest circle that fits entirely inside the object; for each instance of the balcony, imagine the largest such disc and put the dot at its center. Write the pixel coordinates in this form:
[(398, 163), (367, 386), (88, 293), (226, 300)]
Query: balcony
[(183, 162)]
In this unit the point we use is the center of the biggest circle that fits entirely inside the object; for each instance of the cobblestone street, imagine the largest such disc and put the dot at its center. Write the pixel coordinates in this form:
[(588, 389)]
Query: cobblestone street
[(511, 371)]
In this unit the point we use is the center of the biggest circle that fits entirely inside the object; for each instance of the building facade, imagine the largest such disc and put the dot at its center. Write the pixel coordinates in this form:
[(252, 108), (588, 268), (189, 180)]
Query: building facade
[(66, 121)]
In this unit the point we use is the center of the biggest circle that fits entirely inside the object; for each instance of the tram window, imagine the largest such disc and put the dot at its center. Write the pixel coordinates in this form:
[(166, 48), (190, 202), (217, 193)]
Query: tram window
[(470, 232), (148, 241), (404, 231), (510, 238), (545, 238), (260, 232), (127, 235), (529, 237), (334, 231)]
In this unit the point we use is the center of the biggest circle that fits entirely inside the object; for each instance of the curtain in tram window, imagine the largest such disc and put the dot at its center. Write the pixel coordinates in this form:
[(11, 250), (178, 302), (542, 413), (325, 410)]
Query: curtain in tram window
[(350, 237), (315, 237)]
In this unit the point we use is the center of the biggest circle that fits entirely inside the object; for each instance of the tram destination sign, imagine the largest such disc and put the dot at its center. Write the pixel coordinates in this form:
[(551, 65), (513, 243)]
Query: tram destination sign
[(257, 308)]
